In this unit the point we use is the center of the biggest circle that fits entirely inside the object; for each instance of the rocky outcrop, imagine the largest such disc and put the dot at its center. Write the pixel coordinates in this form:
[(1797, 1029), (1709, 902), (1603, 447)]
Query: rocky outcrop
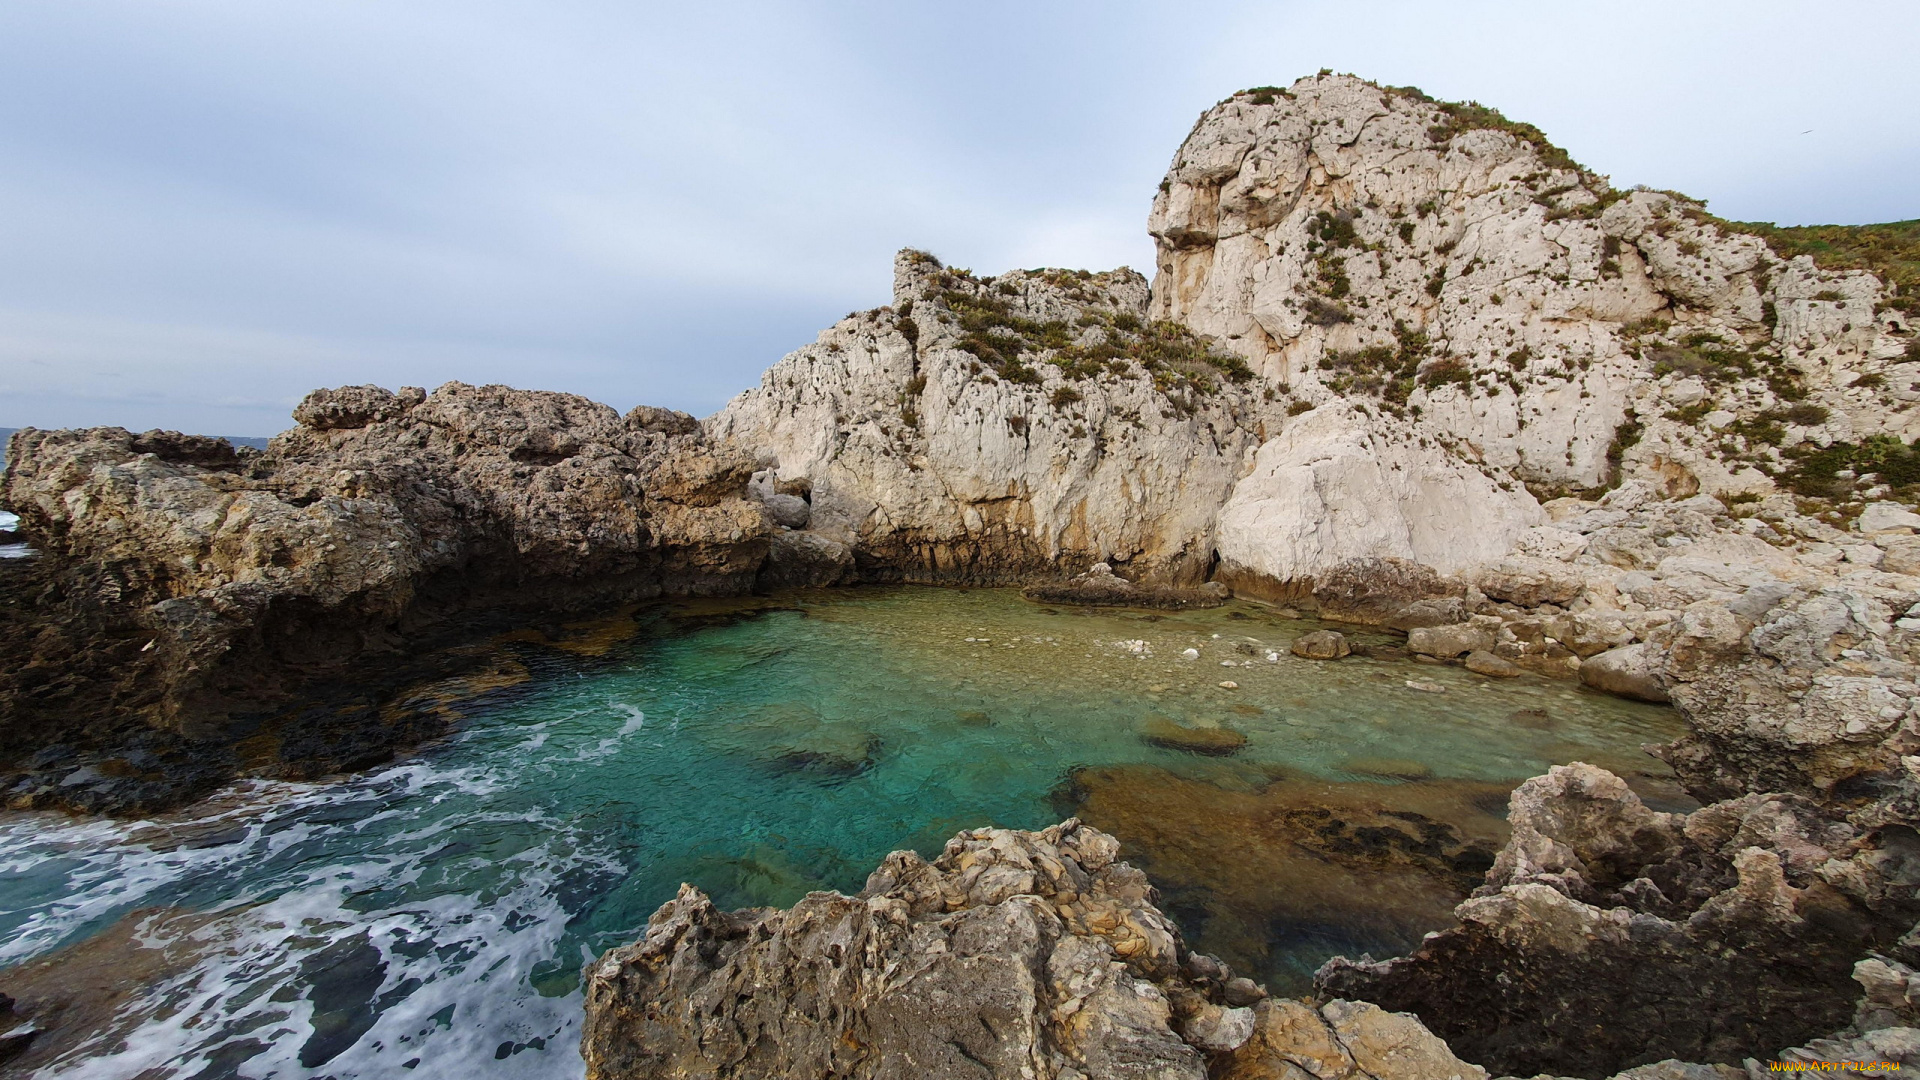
[(219, 581), (1013, 954), (1609, 935), (1452, 308), (1006, 429)]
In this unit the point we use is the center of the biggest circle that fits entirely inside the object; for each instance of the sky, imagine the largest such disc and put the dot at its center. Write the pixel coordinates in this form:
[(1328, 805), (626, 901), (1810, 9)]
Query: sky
[(208, 207)]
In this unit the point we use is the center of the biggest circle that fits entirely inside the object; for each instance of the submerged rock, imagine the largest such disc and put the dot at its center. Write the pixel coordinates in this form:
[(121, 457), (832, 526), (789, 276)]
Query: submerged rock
[(1210, 741)]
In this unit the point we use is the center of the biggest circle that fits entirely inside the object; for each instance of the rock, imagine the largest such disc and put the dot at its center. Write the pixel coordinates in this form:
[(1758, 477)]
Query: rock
[(1218, 1030), (1677, 926), (1394, 1046), (805, 560), (1530, 582), (1630, 671), (1902, 557), (1210, 741), (1393, 768), (1425, 686), (1447, 642), (1481, 662), (1321, 645), (1389, 592), (788, 510), (1888, 517), (1242, 991), (937, 466), (381, 512), (1101, 587), (1012, 954)]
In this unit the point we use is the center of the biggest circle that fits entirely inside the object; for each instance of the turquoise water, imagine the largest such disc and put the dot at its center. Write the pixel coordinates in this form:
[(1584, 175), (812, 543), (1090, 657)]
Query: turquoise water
[(433, 915)]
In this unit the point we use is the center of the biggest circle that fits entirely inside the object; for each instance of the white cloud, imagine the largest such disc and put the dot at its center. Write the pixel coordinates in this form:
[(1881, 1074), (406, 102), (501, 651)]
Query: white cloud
[(213, 206)]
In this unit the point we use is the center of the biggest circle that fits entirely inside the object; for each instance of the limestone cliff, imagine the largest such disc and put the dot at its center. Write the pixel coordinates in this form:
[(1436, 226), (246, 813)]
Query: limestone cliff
[(1002, 429)]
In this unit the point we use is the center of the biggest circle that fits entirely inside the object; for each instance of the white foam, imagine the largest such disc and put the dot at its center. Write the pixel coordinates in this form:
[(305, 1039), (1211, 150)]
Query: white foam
[(310, 868)]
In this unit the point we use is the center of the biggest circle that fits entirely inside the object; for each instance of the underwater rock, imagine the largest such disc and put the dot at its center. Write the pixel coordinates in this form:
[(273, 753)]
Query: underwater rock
[(1012, 956), (1211, 741), (1249, 869)]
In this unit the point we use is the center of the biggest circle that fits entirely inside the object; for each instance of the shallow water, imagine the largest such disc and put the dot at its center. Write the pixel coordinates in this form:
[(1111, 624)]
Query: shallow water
[(432, 916)]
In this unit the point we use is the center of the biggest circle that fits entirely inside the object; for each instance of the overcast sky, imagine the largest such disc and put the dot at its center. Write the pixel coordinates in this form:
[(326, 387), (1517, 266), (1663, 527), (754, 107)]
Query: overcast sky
[(208, 207)]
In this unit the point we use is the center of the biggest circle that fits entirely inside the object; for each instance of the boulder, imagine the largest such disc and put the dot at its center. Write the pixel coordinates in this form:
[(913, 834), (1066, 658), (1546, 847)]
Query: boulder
[(1321, 645), (801, 560), (1630, 671), (1888, 517), (1389, 592), (1447, 642), (788, 510), (1481, 662)]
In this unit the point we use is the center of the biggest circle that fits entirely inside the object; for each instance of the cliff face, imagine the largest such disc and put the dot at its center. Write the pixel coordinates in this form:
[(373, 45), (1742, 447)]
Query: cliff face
[(1442, 319), (1468, 311), (1002, 429)]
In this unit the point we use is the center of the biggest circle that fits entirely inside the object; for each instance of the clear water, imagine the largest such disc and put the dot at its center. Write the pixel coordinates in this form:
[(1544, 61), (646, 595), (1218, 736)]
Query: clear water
[(430, 918)]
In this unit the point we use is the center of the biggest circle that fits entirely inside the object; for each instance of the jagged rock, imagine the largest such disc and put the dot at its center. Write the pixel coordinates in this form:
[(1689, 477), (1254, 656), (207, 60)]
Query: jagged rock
[(940, 458), (1321, 645), (239, 577), (1645, 936), (1014, 955), (1631, 671)]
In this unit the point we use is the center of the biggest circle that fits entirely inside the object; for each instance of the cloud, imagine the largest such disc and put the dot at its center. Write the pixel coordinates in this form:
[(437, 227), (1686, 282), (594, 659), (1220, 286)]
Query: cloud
[(214, 205)]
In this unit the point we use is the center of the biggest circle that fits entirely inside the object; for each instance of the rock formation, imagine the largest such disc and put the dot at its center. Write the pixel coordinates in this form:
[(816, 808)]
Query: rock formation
[(999, 430), (1404, 363), (1034, 955), (213, 582)]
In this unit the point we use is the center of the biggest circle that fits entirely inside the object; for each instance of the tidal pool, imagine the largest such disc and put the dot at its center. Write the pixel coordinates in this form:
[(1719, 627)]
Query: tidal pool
[(431, 917)]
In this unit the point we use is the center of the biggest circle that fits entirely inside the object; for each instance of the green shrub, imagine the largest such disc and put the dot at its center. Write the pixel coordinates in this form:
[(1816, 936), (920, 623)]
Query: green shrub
[(1299, 407), (1807, 415), (1064, 396)]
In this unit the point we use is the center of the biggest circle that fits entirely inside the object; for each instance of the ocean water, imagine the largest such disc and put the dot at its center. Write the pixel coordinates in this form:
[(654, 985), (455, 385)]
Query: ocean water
[(8, 520), (431, 917)]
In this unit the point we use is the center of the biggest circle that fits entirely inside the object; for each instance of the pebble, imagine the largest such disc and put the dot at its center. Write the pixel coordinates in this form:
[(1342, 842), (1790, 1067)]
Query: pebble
[(1190, 654), (1229, 684), (1424, 685)]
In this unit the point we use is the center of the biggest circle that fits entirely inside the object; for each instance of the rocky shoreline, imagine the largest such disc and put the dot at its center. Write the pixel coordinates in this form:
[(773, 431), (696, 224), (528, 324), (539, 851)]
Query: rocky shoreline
[(1404, 364)]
